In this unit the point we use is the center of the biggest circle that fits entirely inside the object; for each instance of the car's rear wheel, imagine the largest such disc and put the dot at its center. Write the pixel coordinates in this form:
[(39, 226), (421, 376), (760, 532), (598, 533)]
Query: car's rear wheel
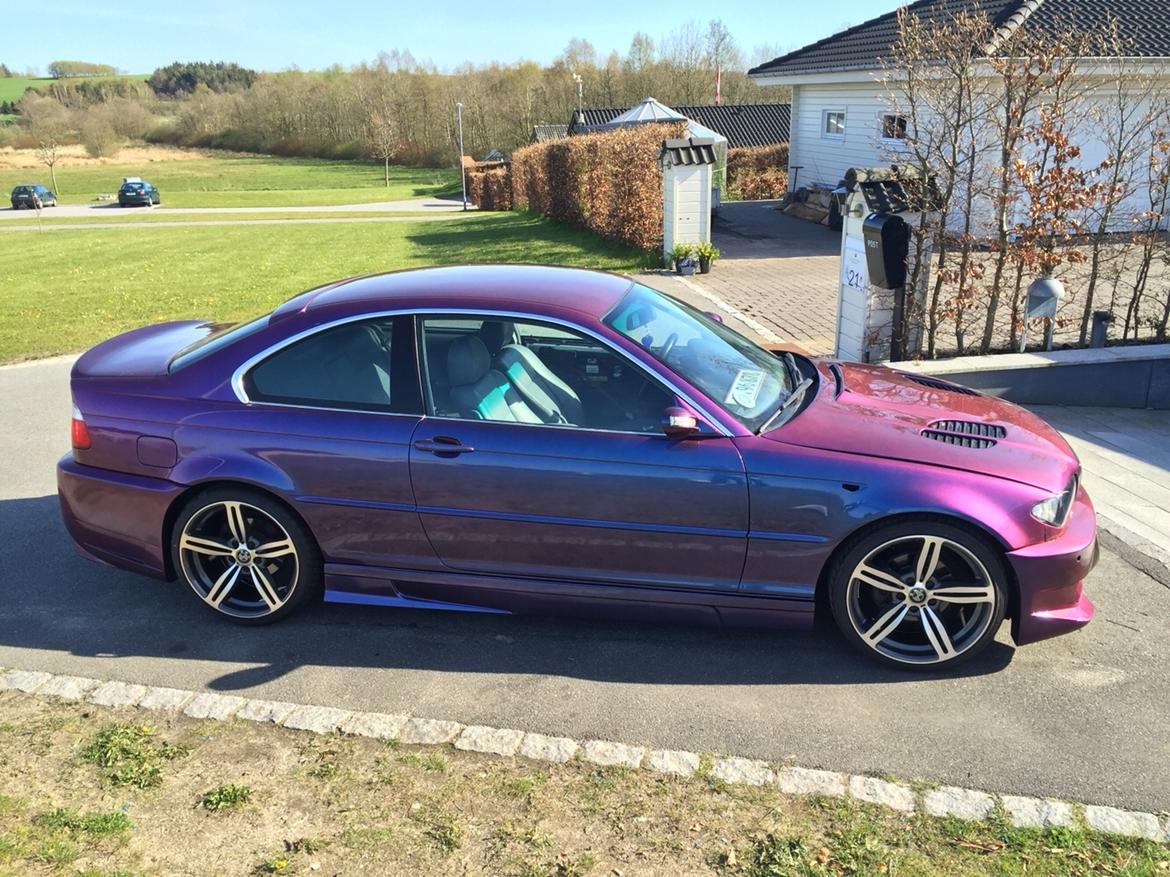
[(245, 555), (924, 594)]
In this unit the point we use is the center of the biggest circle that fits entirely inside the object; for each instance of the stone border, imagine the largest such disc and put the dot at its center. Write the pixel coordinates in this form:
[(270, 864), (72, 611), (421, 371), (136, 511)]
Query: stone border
[(942, 801)]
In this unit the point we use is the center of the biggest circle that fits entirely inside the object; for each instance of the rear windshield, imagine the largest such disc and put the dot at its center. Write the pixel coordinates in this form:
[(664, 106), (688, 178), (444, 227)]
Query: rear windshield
[(216, 341), (22, 190), (132, 187)]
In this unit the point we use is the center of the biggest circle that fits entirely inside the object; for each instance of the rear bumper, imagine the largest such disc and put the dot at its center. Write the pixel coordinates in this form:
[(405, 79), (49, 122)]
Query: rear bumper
[(114, 517), (1051, 578)]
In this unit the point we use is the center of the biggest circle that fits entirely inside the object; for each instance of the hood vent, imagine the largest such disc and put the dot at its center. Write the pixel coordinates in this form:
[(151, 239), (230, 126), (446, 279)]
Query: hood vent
[(965, 433), (936, 384)]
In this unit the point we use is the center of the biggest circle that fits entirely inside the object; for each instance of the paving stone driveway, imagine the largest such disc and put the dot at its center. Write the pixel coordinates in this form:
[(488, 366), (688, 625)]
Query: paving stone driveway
[(779, 271)]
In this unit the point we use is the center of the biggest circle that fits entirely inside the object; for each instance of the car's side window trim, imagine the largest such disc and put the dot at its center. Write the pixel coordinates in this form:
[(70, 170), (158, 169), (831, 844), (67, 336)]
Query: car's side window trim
[(401, 330), (238, 387), (535, 319)]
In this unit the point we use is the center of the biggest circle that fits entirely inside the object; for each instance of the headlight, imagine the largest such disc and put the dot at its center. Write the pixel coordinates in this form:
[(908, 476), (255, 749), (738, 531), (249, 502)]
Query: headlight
[(1055, 509)]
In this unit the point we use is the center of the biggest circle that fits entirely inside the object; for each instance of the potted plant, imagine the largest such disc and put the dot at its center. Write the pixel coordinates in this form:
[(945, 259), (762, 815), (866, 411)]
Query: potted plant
[(680, 254), (707, 254)]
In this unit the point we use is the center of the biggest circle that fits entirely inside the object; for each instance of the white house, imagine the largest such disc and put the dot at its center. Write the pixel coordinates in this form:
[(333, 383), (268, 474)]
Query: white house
[(842, 116)]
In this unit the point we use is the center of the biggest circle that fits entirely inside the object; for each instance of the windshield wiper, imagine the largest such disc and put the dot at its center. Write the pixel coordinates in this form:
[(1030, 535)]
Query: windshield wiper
[(794, 372), (794, 399)]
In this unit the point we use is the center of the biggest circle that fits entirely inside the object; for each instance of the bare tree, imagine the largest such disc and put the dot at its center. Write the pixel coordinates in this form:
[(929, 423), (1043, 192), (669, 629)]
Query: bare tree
[(936, 115), (1128, 107), (49, 123), (1031, 69)]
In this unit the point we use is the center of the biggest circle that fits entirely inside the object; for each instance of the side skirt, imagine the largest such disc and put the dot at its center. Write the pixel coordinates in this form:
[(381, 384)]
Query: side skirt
[(452, 591)]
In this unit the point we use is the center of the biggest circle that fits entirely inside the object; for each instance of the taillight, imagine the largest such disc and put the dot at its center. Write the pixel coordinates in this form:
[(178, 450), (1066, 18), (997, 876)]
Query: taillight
[(78, 431)]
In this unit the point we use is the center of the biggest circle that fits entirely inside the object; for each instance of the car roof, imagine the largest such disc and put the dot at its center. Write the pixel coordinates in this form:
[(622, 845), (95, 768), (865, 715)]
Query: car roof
[(535, 288)]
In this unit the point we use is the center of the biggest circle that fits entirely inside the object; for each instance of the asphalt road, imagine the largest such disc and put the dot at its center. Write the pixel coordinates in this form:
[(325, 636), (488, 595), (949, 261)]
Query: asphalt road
[(1081, 717)]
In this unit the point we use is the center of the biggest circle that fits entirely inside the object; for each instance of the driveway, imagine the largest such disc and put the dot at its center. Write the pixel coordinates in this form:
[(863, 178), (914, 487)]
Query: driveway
[(779, 272), (1079, 717)]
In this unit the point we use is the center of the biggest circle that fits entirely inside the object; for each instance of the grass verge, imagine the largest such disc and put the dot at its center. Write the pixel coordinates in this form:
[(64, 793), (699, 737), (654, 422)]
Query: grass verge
[(383, 812), (244, 181), (71, 289), (146, 217)]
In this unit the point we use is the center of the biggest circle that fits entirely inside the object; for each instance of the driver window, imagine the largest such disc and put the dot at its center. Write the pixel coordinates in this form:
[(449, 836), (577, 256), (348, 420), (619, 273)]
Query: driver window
[(518, 371)]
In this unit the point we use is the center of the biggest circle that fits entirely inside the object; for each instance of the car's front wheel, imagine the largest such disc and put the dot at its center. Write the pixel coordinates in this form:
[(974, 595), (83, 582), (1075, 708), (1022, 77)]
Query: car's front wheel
[(923, 594), (245, 555)]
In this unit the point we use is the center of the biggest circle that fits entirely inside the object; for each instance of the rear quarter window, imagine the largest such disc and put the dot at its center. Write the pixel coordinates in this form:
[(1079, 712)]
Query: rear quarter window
[(216, 341)]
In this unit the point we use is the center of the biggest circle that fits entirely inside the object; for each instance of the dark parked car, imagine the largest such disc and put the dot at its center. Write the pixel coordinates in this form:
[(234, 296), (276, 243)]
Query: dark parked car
[(32, 196), (136, 191), (525, 439)]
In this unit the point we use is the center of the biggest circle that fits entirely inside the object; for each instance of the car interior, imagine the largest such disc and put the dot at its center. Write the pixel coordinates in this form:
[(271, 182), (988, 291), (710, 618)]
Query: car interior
[(523, 372)]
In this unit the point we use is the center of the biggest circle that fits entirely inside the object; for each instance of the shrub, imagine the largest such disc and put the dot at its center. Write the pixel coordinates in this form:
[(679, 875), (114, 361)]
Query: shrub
[(757, 172), (99, 138), (609, 182), (490, 189)]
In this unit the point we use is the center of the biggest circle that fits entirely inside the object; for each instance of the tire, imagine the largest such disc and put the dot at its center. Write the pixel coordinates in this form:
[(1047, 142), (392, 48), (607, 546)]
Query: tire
[(881, 590), (228, 580)]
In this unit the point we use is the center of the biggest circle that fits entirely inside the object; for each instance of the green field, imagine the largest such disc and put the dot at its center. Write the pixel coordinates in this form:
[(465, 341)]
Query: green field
[(140, 216), (72, 288), (13, 87), (245, 181)]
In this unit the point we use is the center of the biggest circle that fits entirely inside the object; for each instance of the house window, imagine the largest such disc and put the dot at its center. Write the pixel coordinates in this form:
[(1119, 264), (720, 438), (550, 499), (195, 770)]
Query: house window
[(834, 123), (894, 127)]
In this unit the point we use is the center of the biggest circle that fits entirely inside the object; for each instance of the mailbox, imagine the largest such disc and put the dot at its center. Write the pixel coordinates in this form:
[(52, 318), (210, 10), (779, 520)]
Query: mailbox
[(887, 245), (1044, 297)]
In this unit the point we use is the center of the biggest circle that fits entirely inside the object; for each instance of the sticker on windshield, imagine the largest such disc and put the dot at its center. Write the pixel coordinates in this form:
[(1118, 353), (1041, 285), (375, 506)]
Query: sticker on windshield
[(745, 389)]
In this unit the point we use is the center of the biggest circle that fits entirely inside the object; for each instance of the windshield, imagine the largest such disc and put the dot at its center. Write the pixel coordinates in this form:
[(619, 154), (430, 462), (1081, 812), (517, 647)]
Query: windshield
[(748, 381)]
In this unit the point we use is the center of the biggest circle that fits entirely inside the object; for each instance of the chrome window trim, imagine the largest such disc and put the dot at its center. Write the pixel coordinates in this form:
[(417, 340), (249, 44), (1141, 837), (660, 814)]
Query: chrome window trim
[(237, 380)]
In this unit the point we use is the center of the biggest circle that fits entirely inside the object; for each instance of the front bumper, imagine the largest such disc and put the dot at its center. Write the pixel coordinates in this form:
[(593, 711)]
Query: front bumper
[(114, 517), (1051, 578)]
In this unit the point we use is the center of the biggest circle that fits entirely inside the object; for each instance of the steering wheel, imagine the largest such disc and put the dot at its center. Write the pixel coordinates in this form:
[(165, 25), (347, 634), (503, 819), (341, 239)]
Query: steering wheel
[(668, 345)]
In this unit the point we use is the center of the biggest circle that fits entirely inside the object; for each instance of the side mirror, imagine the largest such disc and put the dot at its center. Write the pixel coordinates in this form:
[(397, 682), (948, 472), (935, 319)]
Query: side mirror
[(718, 318), (678, 423)]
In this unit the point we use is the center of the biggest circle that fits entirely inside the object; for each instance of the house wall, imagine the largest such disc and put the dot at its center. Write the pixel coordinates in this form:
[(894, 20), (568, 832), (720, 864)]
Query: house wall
[(826, 159)]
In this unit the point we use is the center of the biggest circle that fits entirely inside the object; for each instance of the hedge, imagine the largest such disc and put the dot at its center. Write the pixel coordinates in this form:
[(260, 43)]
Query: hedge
[(756, 172), (609, 182), (490, 189)]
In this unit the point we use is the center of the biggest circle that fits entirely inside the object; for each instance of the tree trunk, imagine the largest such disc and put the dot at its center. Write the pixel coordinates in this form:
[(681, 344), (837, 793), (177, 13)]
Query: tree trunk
[(53, 178), (386, 169)]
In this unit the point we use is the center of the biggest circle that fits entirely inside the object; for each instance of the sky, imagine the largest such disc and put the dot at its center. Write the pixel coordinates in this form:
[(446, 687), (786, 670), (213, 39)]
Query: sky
[(138, 36)]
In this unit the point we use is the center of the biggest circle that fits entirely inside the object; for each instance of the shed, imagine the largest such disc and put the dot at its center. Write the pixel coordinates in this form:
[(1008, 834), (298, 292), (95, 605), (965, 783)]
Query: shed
[(687, 166)]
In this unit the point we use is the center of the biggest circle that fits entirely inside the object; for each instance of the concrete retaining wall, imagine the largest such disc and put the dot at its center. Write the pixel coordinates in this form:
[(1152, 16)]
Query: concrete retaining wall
[(1114, 377)]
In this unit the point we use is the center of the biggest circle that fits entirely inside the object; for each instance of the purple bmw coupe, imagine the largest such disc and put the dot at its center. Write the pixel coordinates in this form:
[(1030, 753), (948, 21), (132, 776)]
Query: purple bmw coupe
[(558, 441)]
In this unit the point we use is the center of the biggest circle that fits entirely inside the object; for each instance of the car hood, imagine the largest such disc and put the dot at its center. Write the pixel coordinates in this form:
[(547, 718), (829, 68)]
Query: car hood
[(882, 412)]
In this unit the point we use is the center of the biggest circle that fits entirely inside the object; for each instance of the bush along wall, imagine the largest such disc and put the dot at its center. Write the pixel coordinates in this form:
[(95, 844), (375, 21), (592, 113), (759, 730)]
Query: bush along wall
[(756, 172), (610, 183), (490, 189)]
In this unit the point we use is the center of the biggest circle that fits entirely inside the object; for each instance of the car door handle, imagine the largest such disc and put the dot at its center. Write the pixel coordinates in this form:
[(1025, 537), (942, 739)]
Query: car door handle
[(443, 446)]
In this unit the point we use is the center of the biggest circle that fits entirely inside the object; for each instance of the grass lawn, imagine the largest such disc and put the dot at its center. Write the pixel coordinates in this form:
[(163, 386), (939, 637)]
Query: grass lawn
[(88, 284), (89, 790), (50, 217), (12, 88), (244, 181)]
